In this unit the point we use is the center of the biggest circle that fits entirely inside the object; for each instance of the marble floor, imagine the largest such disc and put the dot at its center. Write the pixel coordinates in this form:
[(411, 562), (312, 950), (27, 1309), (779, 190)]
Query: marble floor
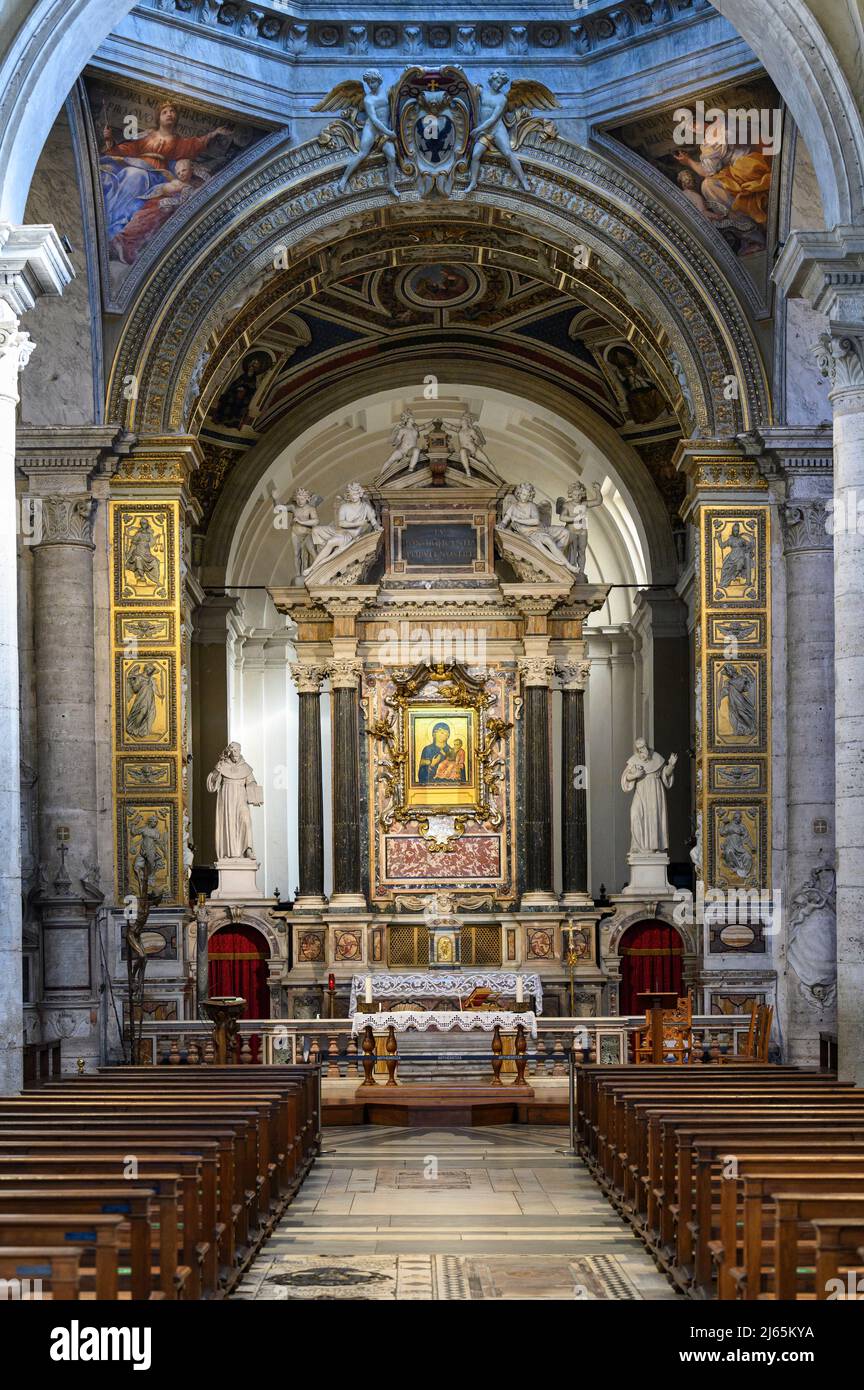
[(489, 1213)]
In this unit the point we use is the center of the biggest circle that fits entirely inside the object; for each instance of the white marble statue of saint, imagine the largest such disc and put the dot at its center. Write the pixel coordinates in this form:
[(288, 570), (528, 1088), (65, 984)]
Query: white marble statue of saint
[(236, 790), (648, 776), (355, 517)]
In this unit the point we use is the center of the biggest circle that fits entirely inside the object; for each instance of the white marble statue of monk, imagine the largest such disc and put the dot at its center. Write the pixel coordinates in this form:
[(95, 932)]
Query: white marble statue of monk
[(648, 775), (236, 790)]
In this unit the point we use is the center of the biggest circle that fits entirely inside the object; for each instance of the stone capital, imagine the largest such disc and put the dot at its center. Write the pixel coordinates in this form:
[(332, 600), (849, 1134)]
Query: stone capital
[(840, 357), (574, 675), (536, 670), (805, 525), (345, 673), (64, 520), (307, 678)]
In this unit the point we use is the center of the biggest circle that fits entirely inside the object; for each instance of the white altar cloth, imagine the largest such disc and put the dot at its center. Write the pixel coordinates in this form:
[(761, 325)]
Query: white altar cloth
[(445, 984), (424, 1020)]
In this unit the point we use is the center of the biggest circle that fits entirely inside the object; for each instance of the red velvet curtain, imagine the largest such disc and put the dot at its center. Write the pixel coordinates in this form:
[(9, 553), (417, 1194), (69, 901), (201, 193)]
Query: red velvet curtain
[(238, 966), (651, 958)]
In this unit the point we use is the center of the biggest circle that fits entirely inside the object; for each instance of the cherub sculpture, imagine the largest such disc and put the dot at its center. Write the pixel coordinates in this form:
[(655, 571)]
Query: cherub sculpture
[(470, 440), (498, 108), (355, 517), (370, 100), (573, 511), (521, 514), (407, 446), (304, 509)]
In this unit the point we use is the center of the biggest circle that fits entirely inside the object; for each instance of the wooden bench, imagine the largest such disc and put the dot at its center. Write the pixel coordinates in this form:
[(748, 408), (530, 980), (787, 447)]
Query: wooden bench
[(53, 1266), (96, 1237)]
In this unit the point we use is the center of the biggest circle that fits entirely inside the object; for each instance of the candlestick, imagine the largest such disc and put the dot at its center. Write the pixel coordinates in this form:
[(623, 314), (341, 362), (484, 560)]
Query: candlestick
[(368, 989), (519, 990)]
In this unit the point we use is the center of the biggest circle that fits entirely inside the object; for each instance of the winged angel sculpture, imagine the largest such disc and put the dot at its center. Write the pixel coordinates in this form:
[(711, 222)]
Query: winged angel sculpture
[(435, 126)]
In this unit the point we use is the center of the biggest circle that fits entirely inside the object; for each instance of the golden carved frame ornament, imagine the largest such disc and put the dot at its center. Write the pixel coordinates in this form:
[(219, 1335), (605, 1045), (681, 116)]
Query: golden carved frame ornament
[(457, 691)]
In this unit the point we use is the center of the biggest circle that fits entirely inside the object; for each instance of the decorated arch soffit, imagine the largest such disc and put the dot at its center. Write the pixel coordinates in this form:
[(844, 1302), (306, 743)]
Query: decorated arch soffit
[(586, 230)]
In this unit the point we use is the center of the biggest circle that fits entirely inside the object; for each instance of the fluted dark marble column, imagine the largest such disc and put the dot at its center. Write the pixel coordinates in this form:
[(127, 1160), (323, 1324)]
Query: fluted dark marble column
[(574, 785), (347, 869), (310, 810), (537, 783)]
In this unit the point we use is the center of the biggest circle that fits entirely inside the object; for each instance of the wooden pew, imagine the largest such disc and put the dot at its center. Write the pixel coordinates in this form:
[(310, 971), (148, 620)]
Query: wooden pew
[(53, 1265), (133, 1205), (164, 1191), (839, 1255), (97, 1237)]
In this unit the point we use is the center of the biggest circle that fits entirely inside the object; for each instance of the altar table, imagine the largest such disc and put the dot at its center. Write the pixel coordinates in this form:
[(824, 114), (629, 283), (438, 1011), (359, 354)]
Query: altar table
[(466, 1020), (444, 984)]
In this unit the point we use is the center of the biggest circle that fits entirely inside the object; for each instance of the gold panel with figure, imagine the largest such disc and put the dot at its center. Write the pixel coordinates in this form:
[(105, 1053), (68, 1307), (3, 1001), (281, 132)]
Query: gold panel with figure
[(736, 713), (147, 832), (144, 553), (737, 844), (736, 557), (144, 701)]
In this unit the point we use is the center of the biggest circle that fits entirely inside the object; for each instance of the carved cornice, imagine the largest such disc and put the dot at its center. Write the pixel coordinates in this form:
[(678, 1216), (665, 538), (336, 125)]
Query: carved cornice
[(33, 262), (65, 521), (307, 678), (805, 525), (44, 451), (263, 27), (790, 451), (166, 460)]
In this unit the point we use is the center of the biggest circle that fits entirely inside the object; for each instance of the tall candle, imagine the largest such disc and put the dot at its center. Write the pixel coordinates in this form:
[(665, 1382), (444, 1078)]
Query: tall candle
[(519, 990), (368, 989)]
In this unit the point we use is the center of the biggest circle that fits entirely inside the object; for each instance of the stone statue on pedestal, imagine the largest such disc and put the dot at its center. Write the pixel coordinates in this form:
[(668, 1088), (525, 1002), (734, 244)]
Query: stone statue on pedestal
[(648, 776), (236, 790), (304, 511)]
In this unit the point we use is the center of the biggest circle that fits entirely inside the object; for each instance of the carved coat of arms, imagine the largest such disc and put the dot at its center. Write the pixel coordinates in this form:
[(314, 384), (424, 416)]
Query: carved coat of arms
[(435, 125)]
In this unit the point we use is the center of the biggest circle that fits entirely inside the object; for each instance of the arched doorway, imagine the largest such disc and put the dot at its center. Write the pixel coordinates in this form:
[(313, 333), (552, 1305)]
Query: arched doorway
[(651, 958), (238, 966)]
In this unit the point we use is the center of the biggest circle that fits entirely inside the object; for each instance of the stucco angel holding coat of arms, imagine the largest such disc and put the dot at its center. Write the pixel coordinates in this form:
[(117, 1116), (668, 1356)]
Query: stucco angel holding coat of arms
[(436, 126)]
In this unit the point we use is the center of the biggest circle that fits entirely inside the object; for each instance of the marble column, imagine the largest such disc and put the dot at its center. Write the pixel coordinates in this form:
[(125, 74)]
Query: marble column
[(537, 781), (310, 812), (347, 869), (574, 783), (32, 263), (842, 358)]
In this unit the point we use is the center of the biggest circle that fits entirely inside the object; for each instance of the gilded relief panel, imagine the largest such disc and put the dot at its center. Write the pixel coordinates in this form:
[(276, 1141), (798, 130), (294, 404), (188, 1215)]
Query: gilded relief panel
[(734, 778), (148, 755)]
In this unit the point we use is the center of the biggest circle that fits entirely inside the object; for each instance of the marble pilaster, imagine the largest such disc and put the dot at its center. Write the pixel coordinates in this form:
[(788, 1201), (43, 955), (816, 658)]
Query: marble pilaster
[(827, 269), (32, 263), (800, 461)]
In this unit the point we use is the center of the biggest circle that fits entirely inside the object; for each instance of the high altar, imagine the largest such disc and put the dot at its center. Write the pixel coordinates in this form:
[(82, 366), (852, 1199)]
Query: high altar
[(442, 625)]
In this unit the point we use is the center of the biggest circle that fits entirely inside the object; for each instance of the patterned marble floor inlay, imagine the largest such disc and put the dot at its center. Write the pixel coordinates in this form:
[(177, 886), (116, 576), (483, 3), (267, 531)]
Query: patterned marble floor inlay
[(442, 1215)]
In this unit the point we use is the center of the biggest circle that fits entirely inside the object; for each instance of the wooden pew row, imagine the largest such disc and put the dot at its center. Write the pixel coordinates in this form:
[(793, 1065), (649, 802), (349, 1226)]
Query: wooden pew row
[(839, 1255), (96, 1238), (234, 1146), (659, 1147), (50, 1270), (164, 1194)]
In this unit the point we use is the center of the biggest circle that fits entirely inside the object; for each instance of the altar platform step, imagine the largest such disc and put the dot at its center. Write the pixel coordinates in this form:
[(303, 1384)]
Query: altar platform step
[(443, 1106)]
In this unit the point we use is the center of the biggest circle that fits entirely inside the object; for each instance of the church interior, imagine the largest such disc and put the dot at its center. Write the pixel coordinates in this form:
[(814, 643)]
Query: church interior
[(431, 652)]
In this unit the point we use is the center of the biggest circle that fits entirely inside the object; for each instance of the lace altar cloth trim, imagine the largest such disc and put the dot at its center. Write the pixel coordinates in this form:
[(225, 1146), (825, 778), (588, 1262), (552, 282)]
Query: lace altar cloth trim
[(437, 982), (445, 1022)]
